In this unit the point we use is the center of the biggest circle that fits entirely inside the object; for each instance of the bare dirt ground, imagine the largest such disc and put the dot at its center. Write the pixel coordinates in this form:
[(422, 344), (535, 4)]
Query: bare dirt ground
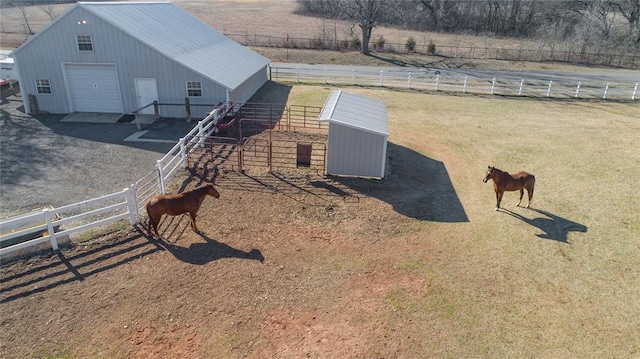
[(276, 272)]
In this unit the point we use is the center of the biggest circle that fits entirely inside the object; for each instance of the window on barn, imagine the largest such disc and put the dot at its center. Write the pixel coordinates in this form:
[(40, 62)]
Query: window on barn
[(43, 87), (85, 44), (194, 88)]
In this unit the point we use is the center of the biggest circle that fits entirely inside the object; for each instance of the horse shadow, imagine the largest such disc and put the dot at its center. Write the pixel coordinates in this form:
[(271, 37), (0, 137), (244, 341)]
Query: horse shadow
[(200, 253), (554, 227), (415, 185), (208, 251)]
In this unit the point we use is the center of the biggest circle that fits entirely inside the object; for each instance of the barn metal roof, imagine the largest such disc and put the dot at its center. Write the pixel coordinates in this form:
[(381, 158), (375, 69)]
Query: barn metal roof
[(356, 111), (182, 37)]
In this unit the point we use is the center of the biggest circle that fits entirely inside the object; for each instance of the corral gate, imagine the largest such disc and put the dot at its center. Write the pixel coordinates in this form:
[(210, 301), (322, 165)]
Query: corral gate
[(265, 153), (214, 151)]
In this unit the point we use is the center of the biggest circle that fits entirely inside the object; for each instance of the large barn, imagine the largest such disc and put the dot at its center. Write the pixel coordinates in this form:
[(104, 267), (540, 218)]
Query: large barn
[(115, 57)]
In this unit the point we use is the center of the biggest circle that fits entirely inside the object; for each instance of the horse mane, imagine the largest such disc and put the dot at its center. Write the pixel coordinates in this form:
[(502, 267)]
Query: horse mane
[(500, 171), (200, 189)]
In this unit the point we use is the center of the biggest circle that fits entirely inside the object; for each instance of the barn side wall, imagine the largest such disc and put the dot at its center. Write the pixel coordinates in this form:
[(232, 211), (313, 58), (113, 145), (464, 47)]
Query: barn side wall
[(43, 58), (243, 93), (354, 152)]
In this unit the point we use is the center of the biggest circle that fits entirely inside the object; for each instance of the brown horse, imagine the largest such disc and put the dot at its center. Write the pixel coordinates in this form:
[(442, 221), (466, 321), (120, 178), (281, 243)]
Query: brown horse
[(503, 181), (175, 204)]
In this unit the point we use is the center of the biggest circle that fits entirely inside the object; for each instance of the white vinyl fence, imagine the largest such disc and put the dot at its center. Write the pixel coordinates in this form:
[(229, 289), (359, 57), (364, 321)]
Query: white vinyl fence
[(54, 223), (435, 81), (51, 224)]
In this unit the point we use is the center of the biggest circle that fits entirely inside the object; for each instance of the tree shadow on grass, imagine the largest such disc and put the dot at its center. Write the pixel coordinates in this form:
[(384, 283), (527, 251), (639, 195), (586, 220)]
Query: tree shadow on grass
[(554, 227), (415, 185)]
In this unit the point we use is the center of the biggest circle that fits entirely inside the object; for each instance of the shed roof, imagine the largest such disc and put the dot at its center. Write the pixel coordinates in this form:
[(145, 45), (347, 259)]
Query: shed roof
[(182, 37), (356, 111)]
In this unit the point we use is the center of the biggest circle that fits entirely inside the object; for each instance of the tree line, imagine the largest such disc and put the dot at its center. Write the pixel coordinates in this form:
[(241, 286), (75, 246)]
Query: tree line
[(597, 26)]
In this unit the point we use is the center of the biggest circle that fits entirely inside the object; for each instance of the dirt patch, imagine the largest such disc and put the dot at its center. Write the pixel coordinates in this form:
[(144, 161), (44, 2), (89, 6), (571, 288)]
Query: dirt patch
[(270, 274)]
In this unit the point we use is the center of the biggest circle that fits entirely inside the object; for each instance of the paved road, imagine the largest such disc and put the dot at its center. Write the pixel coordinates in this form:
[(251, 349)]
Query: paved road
[(44, 161), (601, 76)]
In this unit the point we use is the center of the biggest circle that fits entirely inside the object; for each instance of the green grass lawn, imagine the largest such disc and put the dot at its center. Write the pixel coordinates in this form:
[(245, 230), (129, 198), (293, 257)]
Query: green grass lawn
[(560, 280)]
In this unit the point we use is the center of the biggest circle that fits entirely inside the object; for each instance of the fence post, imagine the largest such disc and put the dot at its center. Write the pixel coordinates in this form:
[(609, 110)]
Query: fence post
[(48, 216), (298, 74), (493, 85), (137, 120), (156, 109), (200, 134), (578, 89), (521, 87), (187, 106), (134, 193), (353, 77), (183, 152), (132, 206), (437, 81), (381, 76), (161, 176), (464, 87), (409, 81), (326, 73), (549, 89), (606, 90), (635, 91)]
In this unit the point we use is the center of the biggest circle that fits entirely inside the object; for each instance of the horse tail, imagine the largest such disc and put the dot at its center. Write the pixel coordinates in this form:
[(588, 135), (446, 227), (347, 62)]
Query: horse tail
[(533, 184)]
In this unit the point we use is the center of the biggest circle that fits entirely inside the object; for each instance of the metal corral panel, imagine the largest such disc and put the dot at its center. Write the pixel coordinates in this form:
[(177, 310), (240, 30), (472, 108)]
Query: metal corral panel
[(358, 131)]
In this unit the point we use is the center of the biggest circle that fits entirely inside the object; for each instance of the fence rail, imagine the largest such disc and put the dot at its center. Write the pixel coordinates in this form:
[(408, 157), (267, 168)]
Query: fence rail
[(51, 224), (628, 59), (433, 81)]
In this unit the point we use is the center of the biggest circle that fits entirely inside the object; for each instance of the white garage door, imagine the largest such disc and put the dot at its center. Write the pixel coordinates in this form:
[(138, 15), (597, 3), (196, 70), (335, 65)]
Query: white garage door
[(94, 88)]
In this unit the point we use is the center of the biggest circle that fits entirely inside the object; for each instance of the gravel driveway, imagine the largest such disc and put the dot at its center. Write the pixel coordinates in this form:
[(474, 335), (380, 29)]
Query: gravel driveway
[(44, 161)]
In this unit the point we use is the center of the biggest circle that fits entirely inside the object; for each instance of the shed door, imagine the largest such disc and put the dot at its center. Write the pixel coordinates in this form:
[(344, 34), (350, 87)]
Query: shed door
[(94, 88)]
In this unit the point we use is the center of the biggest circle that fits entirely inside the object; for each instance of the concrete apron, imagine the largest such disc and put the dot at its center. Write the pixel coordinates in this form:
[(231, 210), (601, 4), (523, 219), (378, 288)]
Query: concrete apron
[(94, 117)]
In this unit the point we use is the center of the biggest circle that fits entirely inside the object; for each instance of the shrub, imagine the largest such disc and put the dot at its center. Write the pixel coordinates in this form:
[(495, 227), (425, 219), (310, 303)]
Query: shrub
[(431, 48), (355, 42), (379, 44), (410, 45), (317, 43)]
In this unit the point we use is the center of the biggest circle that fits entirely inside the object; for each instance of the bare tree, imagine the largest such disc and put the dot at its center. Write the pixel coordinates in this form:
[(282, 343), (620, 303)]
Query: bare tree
[(50, 10), (594, 25), (630, 10), (367, 14), (442, 13), (21, 6)]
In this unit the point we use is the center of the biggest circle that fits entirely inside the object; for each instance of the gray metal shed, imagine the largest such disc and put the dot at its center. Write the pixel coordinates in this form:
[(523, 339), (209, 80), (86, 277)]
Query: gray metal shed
[(118, 56), (358, 132)]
